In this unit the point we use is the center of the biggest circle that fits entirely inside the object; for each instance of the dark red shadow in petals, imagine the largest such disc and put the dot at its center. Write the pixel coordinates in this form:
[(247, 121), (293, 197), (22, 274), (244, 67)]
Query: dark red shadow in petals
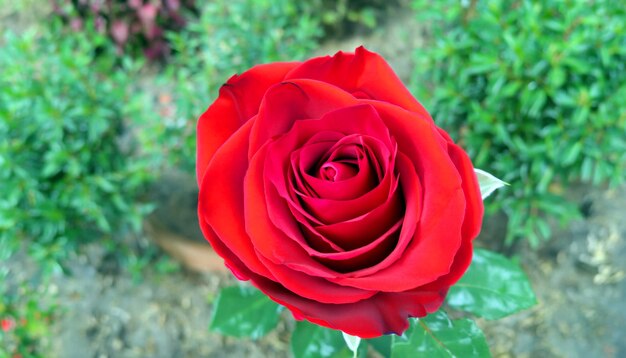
[(316, 241), (305, 158), (364, 74), (362, 230), (334, 211), (368, 172), (364, 256), (289, 102), (238, 101), (296, 225), (411, 191), (221, 200)]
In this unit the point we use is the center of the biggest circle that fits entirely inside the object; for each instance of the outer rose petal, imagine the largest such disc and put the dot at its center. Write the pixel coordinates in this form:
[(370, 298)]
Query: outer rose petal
[(471, 189), (222, 203), (383, 313), (238, 101), (362, 72)]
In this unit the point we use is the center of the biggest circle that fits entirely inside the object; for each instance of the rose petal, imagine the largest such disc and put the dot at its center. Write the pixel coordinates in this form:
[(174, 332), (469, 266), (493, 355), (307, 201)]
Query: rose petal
[(364, 74), (363, 181), (221, 201), (238, 101), (471, 189), (384, 313), (333, 211), (362, 230), (286, 103), (367, 255)]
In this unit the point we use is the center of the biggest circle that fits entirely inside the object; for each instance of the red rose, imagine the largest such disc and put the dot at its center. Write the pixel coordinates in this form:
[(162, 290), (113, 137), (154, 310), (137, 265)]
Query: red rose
[(329, 187)]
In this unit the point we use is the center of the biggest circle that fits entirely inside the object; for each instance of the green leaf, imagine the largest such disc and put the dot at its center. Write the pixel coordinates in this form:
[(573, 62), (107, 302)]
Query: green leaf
[(493, 287), (244, 311), (572, 153), (312, 341), (488, 183), (437, 336), (381, 344)]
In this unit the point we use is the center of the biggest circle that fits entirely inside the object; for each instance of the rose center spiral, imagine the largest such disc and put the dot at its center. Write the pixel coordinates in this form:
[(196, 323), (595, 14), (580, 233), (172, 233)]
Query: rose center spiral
[(338, 170)]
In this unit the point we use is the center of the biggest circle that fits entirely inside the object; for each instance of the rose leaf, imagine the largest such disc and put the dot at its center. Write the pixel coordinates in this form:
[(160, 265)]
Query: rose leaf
[(309, 340), (244, 311), (439, 337), (493, 287)]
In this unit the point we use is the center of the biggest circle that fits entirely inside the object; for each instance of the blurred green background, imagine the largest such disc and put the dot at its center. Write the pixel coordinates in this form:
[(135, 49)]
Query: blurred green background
[(99, 100)]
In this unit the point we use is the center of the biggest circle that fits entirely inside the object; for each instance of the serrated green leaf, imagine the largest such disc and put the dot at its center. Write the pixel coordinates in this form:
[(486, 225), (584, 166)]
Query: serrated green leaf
[(436, 336), (312, 341), (488, 183), (244, 311), (493, 287)]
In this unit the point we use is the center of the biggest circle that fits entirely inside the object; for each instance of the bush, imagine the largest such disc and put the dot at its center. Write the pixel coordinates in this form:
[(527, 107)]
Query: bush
[(66, 155), (134, 26), (534, 91), (345, 17), (229, 37)]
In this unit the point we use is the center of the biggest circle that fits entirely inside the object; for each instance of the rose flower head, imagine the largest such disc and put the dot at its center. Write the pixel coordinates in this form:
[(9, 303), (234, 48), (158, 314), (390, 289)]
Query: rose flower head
[(328, 186)]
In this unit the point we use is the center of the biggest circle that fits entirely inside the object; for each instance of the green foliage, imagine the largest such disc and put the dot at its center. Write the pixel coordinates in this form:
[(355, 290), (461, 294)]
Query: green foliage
[(228, 38), (66, 164), (534, 91), (244, 311), (438, 336), (344, 17), (312, 341), (493, 287)]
